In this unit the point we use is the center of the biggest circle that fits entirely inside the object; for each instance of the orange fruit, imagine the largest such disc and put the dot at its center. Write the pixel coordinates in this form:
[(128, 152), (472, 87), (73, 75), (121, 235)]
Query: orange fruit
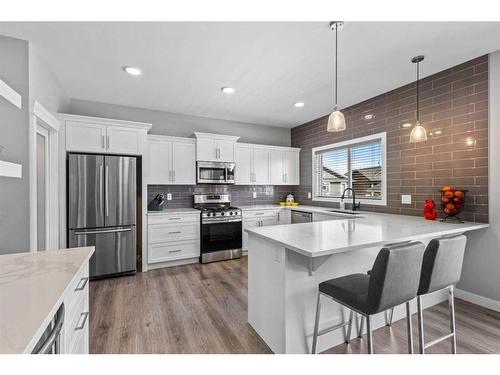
[(445, 200), (446, 188), (446, 211), (459, 194), (450, 206), (448, 194)]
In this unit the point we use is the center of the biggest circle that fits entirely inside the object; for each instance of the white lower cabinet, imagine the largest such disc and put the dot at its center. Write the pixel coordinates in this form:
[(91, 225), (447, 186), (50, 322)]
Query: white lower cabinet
[(259, 218), (75, 333), (173, 236)]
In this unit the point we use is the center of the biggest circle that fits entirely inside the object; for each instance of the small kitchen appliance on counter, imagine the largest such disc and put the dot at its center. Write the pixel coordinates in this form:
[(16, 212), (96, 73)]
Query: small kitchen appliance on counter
[(221, 227), (158, 203)]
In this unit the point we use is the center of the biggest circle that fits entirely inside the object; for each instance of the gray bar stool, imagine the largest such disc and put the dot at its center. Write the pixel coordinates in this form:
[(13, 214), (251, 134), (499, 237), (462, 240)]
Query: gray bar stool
[(441, 269), (394, 280)]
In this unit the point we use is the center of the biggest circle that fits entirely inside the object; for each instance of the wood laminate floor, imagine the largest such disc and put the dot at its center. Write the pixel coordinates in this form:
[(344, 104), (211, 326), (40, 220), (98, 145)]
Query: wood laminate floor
[(203, 309)]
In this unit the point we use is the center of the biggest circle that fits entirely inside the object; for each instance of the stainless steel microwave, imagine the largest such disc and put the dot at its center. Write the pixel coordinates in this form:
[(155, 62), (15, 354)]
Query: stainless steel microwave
[(214, 172)]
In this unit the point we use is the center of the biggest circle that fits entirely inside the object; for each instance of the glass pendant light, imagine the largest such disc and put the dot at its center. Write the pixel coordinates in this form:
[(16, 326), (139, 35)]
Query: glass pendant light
[(418, 133), (336, 121)]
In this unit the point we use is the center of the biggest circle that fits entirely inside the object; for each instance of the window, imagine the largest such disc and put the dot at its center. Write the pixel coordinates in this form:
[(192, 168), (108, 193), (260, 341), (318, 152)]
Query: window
[(358, 164)]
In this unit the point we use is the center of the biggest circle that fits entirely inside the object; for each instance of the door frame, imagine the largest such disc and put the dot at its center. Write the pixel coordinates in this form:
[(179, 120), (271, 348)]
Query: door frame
[(44, 121)]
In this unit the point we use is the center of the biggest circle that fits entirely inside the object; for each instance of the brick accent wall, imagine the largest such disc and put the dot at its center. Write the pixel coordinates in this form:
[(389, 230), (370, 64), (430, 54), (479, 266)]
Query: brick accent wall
[(454, 110)]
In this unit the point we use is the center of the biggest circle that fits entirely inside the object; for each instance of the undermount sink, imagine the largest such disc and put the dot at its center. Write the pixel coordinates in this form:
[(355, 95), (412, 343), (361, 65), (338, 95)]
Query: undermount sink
[(345, 212)]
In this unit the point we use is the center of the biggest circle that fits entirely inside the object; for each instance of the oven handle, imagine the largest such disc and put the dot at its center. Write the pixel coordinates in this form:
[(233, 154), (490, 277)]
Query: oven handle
[(212, 221)]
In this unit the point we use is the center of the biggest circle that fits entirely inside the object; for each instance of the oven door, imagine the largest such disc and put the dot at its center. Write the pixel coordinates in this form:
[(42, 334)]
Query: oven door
[(220, 236)]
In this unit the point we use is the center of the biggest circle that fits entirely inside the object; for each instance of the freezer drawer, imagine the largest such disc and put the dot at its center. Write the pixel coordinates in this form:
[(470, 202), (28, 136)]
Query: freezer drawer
[(115, 249)]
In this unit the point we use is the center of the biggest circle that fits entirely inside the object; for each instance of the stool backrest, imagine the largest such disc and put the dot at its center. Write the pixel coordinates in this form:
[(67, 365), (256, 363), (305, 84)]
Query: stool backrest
[(395, 276), (442, 263)]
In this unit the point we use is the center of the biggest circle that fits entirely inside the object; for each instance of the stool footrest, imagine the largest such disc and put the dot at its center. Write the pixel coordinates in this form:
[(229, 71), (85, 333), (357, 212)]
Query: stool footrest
[(439, 339), (333, 328)]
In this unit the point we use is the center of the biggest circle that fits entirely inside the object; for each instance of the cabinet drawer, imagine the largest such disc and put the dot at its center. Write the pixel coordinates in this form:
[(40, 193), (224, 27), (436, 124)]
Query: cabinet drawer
[(77, 321), (167, 251), (79, 290), (173, 232), (80, 344), (174, 219), (260, 214)]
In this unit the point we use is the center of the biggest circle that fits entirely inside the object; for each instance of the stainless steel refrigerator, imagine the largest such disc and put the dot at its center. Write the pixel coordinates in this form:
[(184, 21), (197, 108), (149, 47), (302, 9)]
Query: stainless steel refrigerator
[(102, 210)]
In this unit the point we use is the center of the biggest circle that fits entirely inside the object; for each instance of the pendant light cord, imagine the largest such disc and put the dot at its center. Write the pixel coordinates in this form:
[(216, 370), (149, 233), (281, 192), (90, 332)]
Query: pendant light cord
[(418, 94), (336, 54)]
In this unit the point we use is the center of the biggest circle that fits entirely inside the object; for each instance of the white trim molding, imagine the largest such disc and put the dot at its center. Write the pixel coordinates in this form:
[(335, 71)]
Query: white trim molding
[(10, 94), (371, 202), (477, 299), (43, 114)]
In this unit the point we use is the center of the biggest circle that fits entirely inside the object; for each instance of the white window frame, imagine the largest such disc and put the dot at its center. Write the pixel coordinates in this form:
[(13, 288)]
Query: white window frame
[(383, 142)]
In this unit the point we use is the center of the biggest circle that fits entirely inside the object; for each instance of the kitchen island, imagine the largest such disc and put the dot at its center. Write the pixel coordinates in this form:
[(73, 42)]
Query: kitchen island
[(33, 286), (287, 262)]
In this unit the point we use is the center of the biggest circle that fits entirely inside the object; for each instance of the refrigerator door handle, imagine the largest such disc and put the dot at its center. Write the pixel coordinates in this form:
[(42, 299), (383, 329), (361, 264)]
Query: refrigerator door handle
[(107, 190), (119, 230), (101, 190)]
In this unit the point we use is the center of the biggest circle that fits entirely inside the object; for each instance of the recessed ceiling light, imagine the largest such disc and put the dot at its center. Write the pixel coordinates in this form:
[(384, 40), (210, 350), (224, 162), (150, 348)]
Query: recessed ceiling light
[(369, 116), (407, 125), (227, 90), (132, 71), (299, 104)]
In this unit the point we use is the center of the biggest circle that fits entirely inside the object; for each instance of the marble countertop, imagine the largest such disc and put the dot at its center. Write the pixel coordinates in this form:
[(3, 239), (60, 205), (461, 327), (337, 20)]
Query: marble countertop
[(32, 287), (339, 235), (167, 211)]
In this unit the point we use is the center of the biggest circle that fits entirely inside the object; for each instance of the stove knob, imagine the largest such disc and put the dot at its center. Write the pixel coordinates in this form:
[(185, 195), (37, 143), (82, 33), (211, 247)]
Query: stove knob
[(231, 213), (222, 213)]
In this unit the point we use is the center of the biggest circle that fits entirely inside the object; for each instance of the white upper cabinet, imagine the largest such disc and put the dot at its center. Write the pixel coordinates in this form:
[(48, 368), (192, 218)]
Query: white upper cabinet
[(252, 164), (171, 160), (215, 147), (85, 136), (285, 166), (124, 140), (99, 135)]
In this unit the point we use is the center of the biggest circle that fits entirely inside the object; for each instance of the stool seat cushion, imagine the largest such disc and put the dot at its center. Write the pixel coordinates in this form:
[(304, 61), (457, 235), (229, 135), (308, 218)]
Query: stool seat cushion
[(351, 290)]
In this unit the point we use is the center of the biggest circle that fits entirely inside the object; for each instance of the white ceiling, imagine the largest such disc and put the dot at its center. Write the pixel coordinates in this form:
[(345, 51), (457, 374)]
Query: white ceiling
[(271, 65)]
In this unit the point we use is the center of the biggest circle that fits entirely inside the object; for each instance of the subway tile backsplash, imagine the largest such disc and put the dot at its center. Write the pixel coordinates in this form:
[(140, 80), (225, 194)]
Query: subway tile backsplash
[(182, 195)]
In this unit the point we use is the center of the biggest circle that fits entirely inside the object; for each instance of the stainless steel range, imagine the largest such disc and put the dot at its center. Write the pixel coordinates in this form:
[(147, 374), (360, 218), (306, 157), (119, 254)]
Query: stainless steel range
[(221, 227)]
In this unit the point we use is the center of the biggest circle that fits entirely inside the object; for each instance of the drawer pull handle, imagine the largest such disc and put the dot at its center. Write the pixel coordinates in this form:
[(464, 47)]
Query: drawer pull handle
[(85, 317), (176, 232), (174, 218), (82, 283), (259, 213), (175, 251)]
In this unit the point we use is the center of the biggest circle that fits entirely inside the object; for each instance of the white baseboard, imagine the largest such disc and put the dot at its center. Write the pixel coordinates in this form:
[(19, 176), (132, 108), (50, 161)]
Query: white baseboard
[(478, 300)]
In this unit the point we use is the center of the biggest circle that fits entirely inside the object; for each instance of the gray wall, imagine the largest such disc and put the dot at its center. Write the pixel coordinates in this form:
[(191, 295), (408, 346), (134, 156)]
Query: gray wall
[(165, 123), (481, 268), (14, 125)]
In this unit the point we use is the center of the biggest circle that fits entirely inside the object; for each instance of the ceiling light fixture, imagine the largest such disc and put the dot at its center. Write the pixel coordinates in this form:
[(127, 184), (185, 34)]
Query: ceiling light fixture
[(132, 71), (227, 90), (299, 104), (336, 121), (418, 133)]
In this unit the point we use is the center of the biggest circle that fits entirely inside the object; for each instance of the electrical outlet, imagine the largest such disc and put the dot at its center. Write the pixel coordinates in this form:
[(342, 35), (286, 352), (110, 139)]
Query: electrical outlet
[(169, 196), (405, 199), (254, 195), (309, 195)]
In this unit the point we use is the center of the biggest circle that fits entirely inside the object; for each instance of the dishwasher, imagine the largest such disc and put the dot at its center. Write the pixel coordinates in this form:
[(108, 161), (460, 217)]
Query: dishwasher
[(301, 217)]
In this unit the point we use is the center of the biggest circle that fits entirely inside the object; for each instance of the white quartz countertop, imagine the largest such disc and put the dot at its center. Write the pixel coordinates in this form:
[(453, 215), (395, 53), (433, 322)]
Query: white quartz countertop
[(174, 211), (32, 287), (339, 235)]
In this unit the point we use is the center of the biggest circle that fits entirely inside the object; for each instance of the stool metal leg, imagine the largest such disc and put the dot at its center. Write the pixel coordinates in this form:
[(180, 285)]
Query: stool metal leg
[(409, 328), (369, 334), (420, 313), (349, 328), (361, 326), (451, 303), (316, 324), (389, 321)]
